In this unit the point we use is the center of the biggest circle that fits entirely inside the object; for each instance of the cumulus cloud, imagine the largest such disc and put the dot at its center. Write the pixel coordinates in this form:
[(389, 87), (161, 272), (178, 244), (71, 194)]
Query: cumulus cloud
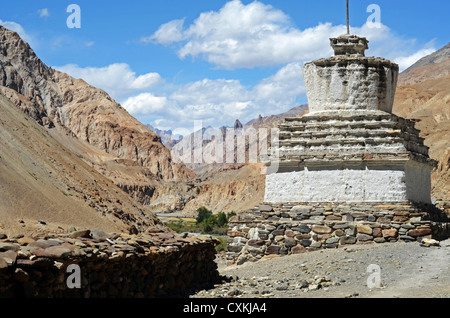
[(219, 102), (118, 79), (167, 33), (146, 103), (259, 35), (281, 89), (245, 36)]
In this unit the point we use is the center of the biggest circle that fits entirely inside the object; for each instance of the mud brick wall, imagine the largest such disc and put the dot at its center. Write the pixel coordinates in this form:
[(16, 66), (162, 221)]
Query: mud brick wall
[(298, 228), (154, 265)]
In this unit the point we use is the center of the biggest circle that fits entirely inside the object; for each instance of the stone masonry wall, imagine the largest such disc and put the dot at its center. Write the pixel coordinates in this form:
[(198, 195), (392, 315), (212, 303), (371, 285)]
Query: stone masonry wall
[(157, 264), (293, 228)]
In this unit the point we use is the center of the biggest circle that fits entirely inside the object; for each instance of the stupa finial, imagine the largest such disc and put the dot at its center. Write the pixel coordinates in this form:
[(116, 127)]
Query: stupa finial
[(348, 20)]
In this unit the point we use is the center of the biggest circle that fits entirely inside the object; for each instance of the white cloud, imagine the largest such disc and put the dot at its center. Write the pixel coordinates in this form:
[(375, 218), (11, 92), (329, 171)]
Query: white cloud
[(281, 89), (247, 36), (406, 61), (259, 35), (43, 13), (118, 79), (16, 27), (167, 33), (146, 103), (219, 102)]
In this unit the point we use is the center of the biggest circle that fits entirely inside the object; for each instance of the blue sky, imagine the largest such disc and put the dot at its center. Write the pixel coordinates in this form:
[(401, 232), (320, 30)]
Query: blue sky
[(172, 62)]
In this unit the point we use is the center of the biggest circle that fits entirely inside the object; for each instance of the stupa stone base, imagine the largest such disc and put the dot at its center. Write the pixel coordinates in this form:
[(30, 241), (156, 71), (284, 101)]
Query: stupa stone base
[(298, 227)]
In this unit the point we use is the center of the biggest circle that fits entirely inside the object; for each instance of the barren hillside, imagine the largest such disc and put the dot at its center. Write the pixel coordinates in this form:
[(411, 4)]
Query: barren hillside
[(46, 188), (88, 121), (423, 94)]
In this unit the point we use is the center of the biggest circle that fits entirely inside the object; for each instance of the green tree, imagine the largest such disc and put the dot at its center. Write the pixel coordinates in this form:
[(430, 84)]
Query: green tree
[(221, 219), (207, 228), (203, 214)]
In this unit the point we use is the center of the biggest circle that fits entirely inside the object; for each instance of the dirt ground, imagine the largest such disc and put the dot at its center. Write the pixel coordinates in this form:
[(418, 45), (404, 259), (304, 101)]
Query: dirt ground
[(389, 270)]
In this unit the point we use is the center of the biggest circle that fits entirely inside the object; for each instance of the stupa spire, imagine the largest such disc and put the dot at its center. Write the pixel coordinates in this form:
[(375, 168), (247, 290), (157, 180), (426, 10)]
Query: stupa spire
[(348, 19)]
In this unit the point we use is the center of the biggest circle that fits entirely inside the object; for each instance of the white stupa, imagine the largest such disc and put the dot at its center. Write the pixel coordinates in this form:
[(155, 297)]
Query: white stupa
[(350, 147)]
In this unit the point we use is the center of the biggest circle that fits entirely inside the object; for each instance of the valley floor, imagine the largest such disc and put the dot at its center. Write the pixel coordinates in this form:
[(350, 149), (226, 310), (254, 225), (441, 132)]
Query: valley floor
[(405, 270)]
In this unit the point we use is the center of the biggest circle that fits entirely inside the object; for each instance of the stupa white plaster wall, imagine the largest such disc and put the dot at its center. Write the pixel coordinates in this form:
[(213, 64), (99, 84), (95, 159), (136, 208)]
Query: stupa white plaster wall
[(353, 184), (359, 84)]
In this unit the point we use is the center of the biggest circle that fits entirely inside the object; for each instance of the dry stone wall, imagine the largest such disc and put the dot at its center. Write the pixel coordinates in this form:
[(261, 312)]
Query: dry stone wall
[(293, 228), (90, 264)]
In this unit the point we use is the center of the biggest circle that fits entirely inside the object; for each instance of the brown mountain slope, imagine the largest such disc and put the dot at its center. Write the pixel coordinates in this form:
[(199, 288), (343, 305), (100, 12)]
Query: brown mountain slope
[(435, 58), (88, 121), (41, 180), (423, 94)]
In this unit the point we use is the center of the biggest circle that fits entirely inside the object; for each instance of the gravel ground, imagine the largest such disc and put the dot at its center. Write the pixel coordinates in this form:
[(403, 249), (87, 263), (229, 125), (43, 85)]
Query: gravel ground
[(406, 270)]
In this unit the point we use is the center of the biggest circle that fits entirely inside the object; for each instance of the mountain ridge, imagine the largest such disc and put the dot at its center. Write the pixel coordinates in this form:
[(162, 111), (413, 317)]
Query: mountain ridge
[(89, 121), (45, 188)]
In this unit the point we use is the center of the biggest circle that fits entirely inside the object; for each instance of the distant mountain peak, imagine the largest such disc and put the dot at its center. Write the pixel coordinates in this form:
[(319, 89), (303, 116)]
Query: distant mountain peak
[(434, 58), (238, 125)]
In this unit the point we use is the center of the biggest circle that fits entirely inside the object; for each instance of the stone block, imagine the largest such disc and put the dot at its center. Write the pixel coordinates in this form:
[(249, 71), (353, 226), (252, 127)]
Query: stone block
[(265, 208), (298, 249), (419, 232), (347, 240), (392, 232), (361, 237), (305, 242), (321, 229), (273, 249), (302, 228), (256, 243), (400, 218), (364, 229), (332, 240), (290, 242)]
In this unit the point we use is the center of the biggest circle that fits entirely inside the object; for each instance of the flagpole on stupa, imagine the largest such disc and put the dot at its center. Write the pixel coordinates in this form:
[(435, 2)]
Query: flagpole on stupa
[(348, 20)]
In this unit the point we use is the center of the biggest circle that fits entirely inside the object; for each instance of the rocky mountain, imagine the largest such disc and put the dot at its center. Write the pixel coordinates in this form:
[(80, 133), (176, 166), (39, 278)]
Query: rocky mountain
[(45, 188), (237, 184), (88, 121), (207, 140), (168, 138), (423, 94), (435, 58)]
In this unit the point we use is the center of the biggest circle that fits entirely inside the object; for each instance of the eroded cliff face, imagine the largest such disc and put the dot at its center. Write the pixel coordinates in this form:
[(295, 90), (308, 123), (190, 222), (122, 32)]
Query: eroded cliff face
[(45, 188), (83, 111), (87, 120)]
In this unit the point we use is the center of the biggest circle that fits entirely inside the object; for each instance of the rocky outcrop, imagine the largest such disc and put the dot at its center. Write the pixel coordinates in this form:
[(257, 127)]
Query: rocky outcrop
[(96, 127)]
